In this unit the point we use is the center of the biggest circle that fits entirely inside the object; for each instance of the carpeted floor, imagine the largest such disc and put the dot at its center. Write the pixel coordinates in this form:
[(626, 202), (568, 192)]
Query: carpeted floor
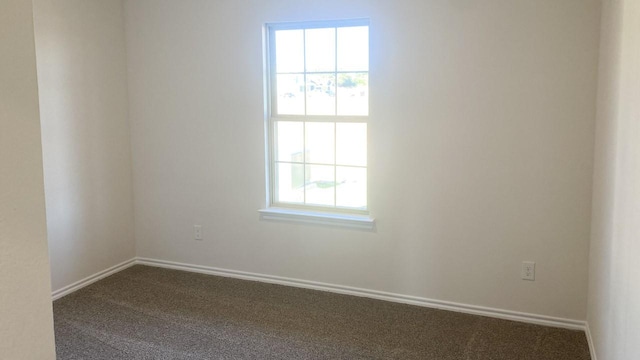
[(151, 313)]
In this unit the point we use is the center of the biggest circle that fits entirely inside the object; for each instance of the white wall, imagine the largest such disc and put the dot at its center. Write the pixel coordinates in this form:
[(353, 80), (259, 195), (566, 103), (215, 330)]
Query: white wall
[(26, 322), (481, 142), (614, 277), (85, 132)]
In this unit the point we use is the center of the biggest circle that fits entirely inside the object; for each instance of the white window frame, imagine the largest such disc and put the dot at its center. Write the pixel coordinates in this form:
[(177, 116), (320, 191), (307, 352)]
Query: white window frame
[(303, 213)]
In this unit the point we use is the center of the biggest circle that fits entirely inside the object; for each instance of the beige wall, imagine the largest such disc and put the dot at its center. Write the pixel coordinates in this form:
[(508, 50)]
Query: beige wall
[(85, 136), (26, 323), (614, 277), (481, 143)]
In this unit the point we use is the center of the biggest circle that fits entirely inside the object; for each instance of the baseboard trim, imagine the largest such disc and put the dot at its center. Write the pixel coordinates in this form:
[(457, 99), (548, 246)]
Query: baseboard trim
[(374, 294), (91, 279), (592, 345), (340, 289)]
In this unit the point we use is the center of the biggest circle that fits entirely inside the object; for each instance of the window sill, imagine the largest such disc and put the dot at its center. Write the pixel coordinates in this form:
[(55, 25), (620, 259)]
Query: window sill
[(355, 222)]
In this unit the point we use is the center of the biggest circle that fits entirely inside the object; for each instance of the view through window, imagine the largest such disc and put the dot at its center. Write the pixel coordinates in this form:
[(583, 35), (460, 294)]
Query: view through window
[(319, 107)]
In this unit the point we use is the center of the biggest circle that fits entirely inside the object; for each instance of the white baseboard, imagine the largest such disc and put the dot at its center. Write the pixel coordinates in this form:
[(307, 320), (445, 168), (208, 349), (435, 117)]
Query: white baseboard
[(380, 295), (592, 345), (91, 279), (347, 290)]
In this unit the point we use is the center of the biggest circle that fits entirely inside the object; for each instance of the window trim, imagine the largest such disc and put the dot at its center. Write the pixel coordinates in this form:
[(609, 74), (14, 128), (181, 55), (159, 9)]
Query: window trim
[(304, 213), (349, 221)]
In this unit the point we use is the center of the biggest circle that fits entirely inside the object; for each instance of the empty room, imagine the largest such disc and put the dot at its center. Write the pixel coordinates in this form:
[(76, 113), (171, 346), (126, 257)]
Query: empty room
[(307, 179)]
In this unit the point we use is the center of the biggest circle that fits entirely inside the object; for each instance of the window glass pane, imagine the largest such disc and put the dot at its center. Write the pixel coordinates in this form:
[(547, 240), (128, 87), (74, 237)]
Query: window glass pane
[(351, 144), (290, 145), (320, 49), (289, 51), (290, 94), (319, 141), (290, 183), (353, 94), (321, 94), (351, 190), (353, 48), (320, 185)]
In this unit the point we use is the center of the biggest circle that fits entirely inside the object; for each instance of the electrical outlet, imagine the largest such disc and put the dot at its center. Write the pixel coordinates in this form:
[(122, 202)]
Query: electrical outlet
[(197, 232), (528, 270)]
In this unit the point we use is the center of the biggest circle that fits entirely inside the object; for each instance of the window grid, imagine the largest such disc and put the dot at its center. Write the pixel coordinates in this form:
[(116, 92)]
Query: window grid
[(275, 118)]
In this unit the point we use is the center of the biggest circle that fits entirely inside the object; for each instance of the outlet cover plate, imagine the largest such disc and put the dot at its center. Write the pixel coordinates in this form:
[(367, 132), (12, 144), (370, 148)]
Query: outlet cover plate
[(197, 232), (529, 270)]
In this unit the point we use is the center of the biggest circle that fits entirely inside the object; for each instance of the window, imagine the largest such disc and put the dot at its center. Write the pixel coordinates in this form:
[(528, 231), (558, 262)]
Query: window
[(318, 107)]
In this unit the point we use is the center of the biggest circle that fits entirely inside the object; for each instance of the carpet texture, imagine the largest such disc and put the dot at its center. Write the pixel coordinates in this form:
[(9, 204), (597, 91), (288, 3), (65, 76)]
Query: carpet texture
[(152, 313)]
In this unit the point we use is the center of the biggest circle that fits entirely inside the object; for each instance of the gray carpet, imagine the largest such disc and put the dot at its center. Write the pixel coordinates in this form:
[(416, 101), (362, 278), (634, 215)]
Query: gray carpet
[(151, 313)]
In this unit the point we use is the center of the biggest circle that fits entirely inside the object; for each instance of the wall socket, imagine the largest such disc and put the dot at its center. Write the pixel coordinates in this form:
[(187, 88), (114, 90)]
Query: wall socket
[(528, 270), (197, 232)]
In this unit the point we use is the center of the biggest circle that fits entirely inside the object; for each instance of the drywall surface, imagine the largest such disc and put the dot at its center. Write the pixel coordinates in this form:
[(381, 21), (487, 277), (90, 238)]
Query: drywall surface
[(85, 136), (480, 146), (614, 286), (26, 320)]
